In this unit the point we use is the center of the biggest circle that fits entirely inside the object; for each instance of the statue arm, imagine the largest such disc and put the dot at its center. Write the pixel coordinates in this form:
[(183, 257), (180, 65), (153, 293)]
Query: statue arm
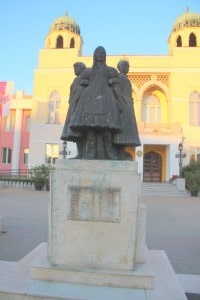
[(70, 94), (77, 95), (117, 92), (114, 83), (83, 83)]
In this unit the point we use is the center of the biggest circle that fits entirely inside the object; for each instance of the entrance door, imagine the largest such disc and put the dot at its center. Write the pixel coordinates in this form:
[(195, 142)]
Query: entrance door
[(152, 170)]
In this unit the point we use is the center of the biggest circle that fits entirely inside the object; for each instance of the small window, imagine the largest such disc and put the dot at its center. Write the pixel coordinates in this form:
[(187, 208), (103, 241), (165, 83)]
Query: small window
[(194, 108), (54, 112), (9, 123), (72, 43), (25, 156), (6, 155), (28, 123), (179, 41), (51, 153), (59, 42), (192, 154), (192, 40), (54, 108), (152, 109)]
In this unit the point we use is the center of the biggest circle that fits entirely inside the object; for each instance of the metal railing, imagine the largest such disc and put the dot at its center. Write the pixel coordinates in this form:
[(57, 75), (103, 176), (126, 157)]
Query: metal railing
[(14, 174), (17, 178)]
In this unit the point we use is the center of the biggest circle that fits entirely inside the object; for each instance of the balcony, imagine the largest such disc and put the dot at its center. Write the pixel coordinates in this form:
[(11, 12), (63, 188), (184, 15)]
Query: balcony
[(159, 128)]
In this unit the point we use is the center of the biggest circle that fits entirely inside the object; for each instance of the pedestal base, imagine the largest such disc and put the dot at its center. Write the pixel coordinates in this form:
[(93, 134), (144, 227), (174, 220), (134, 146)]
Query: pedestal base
[(140, 278), (16, 283)]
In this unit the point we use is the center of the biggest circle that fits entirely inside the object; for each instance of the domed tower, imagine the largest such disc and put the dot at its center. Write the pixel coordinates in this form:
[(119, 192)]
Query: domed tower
[(64, 33), (185, 31), (51, 87)]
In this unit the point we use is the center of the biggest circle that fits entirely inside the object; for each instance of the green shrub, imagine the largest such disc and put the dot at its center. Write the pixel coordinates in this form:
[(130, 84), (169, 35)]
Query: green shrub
[(191, 167), (191, 173), (39, 175), (193, 180)]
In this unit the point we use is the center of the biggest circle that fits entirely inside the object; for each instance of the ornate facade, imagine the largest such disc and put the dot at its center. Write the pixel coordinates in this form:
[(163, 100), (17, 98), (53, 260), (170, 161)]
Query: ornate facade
[(166, 92)]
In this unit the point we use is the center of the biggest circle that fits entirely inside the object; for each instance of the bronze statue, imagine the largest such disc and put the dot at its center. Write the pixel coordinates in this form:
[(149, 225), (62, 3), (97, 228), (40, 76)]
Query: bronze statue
[(97, 113), (128, 136), (97, 120), (75, 89)]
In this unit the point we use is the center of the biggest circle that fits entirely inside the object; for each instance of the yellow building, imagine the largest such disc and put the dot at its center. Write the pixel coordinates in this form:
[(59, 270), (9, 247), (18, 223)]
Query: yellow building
[(166, 92)]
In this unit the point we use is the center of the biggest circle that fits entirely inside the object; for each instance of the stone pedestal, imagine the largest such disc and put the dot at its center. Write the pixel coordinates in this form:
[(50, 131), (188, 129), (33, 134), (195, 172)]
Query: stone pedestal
[(180, 184), (96, 246), (96, 225)]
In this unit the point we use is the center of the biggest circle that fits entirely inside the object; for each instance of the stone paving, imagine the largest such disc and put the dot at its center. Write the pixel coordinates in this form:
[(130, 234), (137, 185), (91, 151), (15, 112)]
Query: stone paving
[(173, 225), (24, 222)]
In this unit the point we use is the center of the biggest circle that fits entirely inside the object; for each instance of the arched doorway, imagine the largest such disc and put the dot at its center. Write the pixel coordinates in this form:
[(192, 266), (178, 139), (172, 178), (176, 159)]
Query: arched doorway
[(152, 170)]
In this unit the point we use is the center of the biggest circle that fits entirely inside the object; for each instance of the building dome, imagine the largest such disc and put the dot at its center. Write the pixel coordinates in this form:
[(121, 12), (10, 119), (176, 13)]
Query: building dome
[(65, 22), (188, 19)]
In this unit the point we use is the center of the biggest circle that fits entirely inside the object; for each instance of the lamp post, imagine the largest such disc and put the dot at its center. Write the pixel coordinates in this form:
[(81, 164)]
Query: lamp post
[(180, 182), (180, 149), (63, 152), (180, 155)]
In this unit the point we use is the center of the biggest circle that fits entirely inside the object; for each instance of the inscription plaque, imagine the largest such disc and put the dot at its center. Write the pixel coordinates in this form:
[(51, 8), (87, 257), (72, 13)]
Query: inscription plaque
[(90, 203)]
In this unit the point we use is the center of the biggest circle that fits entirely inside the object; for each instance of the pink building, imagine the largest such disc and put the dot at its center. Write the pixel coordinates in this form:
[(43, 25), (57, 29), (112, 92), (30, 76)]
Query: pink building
[(14, 135)]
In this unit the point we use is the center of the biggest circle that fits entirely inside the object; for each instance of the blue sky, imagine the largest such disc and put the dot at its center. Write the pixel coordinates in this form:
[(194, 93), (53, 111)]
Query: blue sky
[(123, 27)]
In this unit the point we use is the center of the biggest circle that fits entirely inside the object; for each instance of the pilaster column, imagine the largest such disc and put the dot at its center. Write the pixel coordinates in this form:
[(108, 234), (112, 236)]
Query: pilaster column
[(17, 139)]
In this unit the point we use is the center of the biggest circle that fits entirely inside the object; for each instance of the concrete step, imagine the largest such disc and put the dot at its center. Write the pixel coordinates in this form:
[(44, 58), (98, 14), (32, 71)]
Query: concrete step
[(161, 190)]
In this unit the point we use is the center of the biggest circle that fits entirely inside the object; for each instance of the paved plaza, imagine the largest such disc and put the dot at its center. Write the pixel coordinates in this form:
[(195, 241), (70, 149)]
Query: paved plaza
[(24, 222), (173, 225)]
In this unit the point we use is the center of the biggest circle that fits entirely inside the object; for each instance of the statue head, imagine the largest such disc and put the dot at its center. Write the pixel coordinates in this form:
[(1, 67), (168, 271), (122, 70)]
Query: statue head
[(99, 55), (79, 67), (123, 66)]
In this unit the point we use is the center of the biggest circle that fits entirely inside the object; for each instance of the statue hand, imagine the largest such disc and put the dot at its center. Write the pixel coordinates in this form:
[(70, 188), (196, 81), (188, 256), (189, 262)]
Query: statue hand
[(113, 80)]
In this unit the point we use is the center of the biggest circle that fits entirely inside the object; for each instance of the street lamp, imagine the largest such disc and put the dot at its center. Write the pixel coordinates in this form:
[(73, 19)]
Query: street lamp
[(63, 152), (180, 155), (180, 149)]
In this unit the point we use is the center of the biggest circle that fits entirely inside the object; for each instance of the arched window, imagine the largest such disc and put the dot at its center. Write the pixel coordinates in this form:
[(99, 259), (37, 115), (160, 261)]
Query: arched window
[(194, 108), (59, 42), (54, 108), (72, 43), (152, 109), (179, 41), (192, 40)]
